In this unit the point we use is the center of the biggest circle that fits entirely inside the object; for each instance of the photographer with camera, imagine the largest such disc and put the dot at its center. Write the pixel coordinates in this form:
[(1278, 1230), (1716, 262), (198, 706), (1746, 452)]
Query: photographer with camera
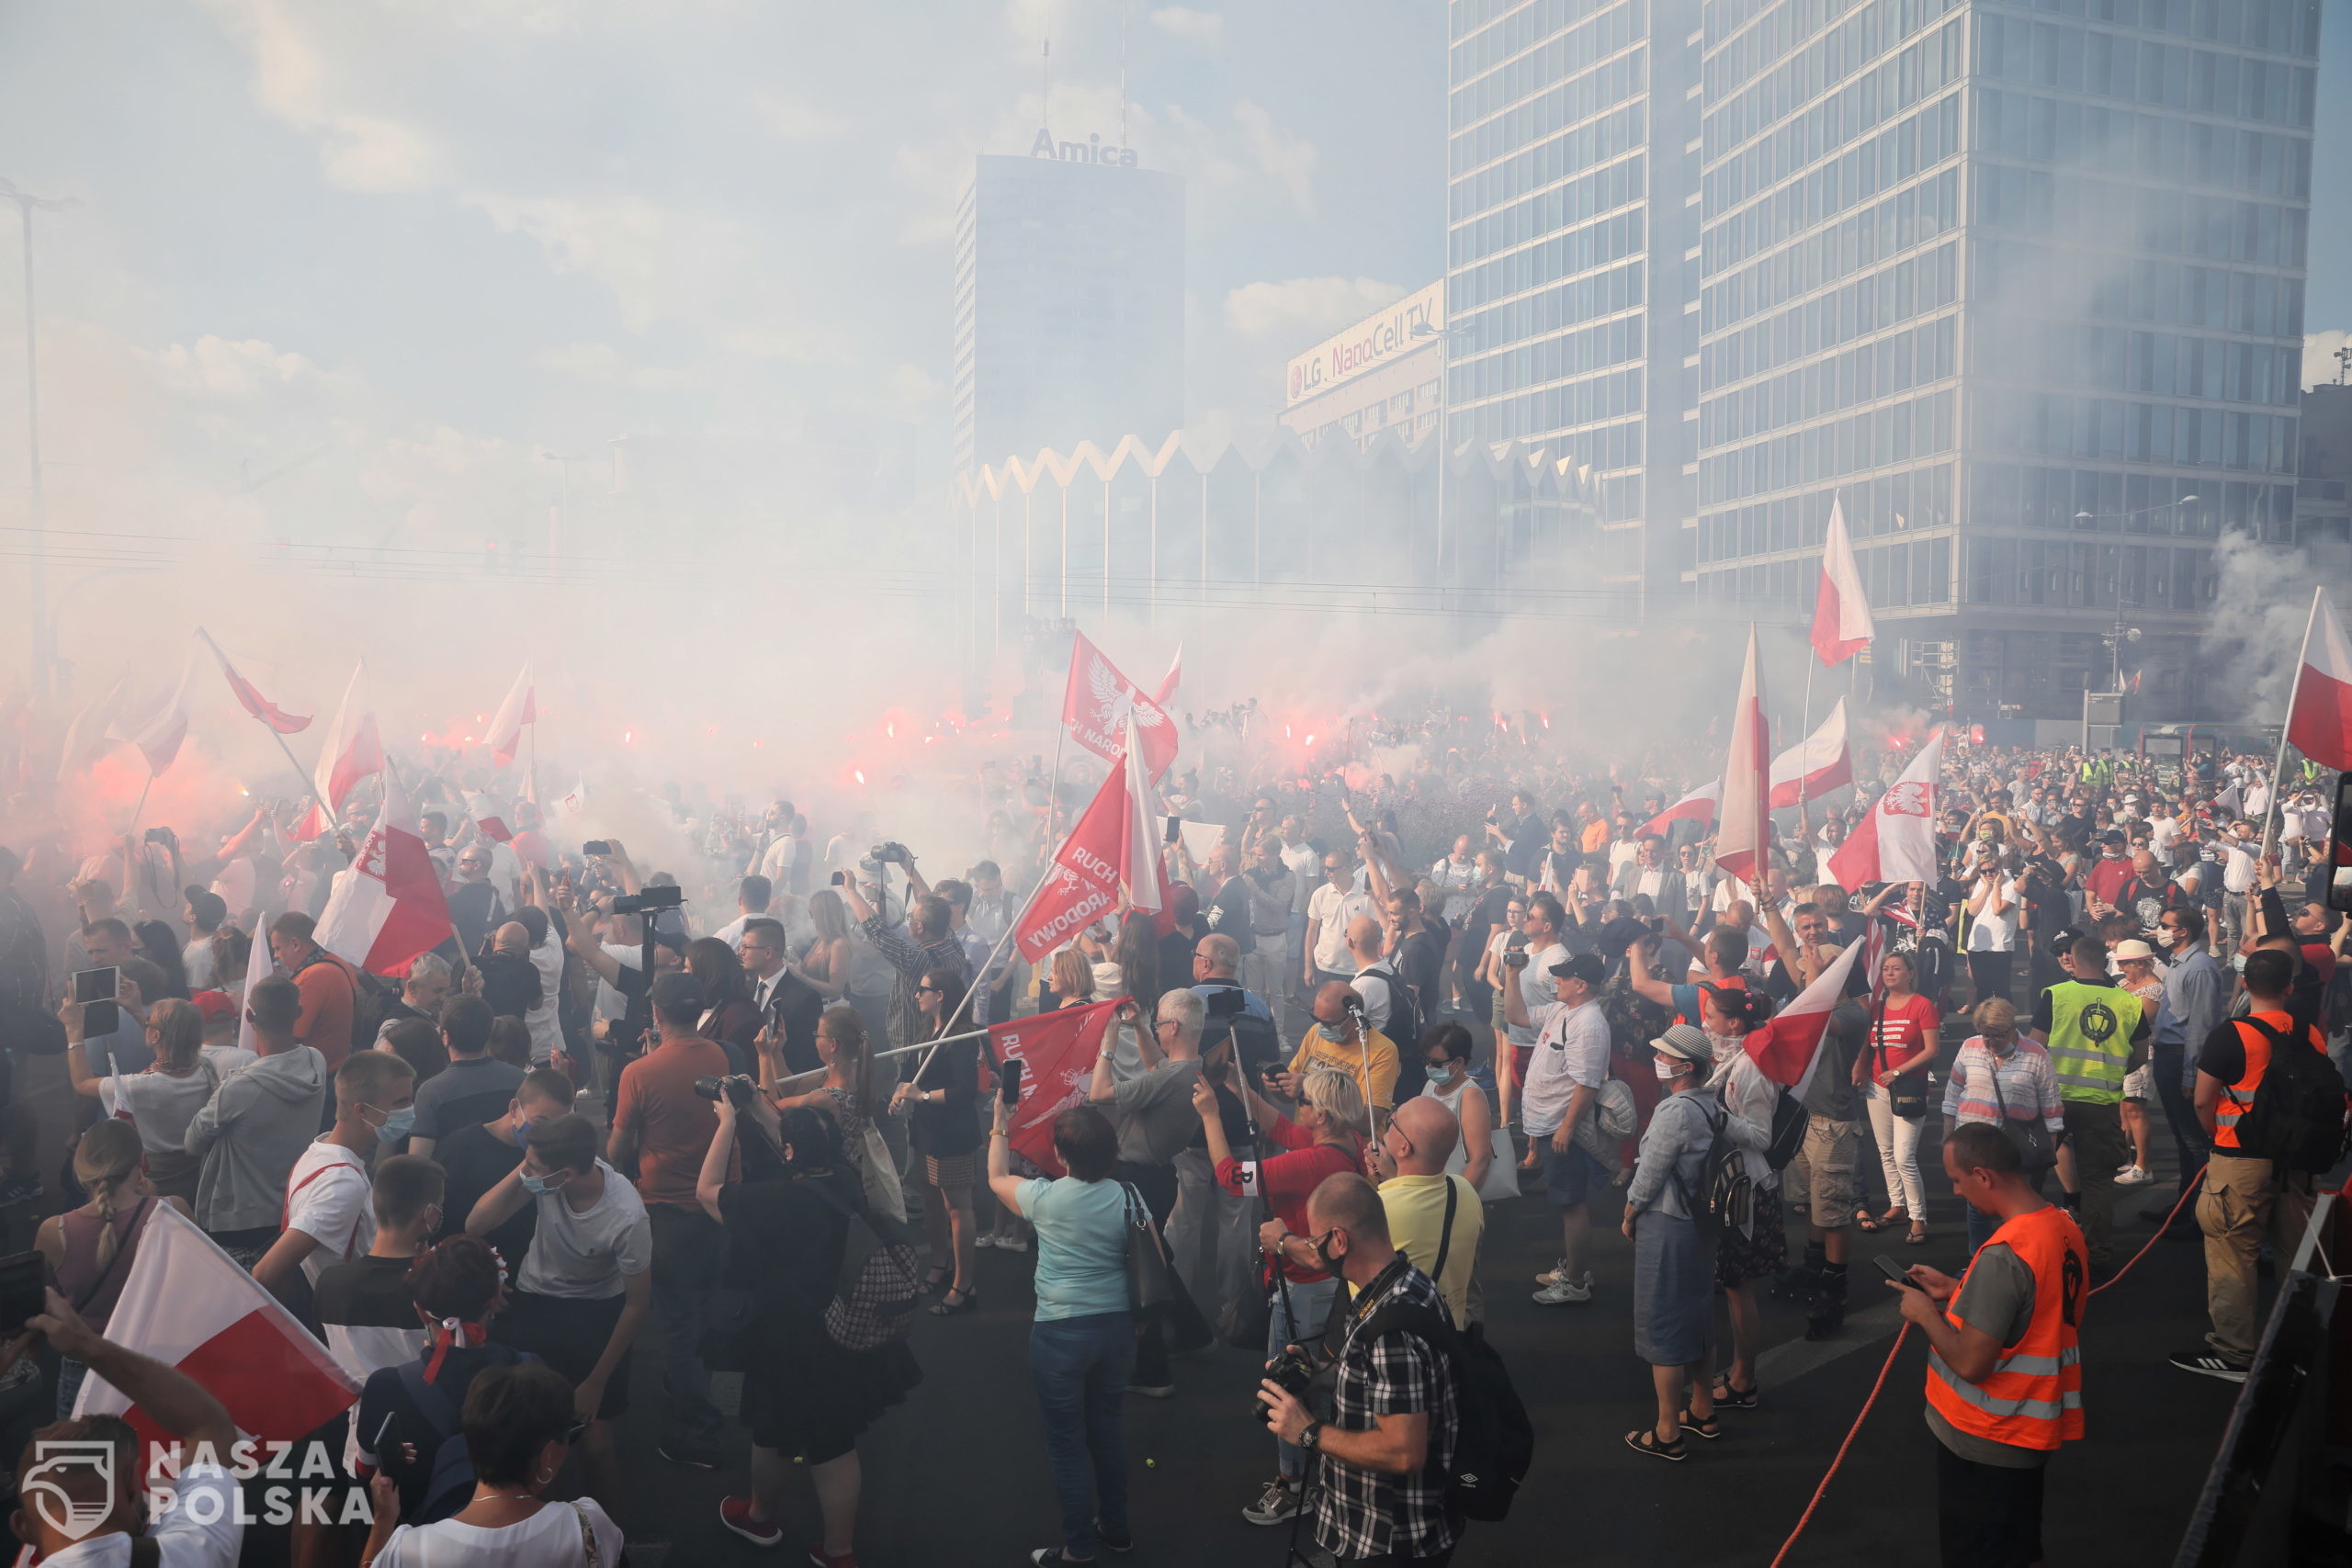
[(929, 944), (1377, 1492)]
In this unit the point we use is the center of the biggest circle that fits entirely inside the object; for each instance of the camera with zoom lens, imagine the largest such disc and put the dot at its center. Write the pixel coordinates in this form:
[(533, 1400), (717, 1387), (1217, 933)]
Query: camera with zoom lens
[(1292, 1371), (890, 852), (736, 1087), (651, 901)]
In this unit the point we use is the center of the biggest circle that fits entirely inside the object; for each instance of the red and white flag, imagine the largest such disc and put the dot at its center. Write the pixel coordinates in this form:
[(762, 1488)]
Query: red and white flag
[(1057, 1052), (251, 700), (1698, 805), (1098, 701), (351, 751), (521, 707), (185, 1304), (1896, 841), (160, 731), (1112, 848), (87, 737), (1812, 770), (260, 965), (1744, 837), (486, 817), (1842, 616), (2319, 721), (1168, 682), (1788, 1049), (388, 905)]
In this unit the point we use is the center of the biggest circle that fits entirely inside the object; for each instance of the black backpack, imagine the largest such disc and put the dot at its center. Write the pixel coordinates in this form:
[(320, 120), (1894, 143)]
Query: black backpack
[(449, 1464), (2297, 1119), (1403, 1025), (1494, 1441), (1726, 1195)]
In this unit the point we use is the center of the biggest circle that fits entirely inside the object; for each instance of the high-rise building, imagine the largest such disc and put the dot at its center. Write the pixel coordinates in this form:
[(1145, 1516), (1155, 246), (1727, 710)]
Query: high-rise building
[(2021, 285), (1070, 302), (1570, 170)]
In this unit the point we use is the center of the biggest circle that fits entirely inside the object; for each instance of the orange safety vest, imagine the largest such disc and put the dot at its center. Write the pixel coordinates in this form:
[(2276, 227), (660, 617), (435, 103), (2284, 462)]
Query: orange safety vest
[(2237, 1099), (2033, 1397)]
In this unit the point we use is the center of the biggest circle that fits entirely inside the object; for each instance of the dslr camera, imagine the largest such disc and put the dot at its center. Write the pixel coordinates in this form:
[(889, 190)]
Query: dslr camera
[(736, 1088), (1292, 1371), (890, 852), (651, 901)]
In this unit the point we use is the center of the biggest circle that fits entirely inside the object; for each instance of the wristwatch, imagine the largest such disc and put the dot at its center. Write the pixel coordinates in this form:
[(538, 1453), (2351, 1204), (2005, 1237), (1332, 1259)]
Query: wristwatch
[(1312, 1438)]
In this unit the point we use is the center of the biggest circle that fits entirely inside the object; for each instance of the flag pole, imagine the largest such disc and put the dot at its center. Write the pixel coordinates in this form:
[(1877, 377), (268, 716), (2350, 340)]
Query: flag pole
[(140, 809), (2278, 765), (1804, 759)]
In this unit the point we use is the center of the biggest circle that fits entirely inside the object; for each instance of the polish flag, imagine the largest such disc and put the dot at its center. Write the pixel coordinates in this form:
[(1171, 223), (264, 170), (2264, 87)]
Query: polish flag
[(260, 965), (387, 907), (521, 707), (1175, 676), (1896, 841), (1821, 764), (2319, 722), (486, 817), (351, 751), (1698, 805), (1057, 1050), (87, 737), (160, 730), (185, 1304), (1744, 837), (1788, 1049), (252, 701), (1098, 701), (1842, 616), (1141, 868), (1113, 847)]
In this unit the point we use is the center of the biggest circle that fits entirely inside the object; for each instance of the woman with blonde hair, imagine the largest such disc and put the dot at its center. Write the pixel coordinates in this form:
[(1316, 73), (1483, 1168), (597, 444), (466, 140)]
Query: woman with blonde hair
[(162, 1098), (1071, 980), (90, 1249)]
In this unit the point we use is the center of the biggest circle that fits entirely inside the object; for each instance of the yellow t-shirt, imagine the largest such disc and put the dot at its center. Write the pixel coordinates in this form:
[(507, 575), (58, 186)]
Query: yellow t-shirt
[(1317, 1052), (1416, 1206)]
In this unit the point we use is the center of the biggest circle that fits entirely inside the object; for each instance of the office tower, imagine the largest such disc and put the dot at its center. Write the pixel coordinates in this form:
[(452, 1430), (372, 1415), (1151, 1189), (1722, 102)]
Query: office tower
[(1069, 303)]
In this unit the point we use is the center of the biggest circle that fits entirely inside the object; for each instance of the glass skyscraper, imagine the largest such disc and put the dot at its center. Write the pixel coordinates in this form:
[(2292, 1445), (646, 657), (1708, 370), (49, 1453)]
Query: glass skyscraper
[(2019, 285)]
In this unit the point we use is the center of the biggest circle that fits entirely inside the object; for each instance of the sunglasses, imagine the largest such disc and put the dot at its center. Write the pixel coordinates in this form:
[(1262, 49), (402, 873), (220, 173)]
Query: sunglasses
[(934, 990)]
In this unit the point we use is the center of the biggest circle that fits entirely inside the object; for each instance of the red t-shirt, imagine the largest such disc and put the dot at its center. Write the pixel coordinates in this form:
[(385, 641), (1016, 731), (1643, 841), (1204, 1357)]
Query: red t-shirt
[(672, 1123), (1286, 1179), (1901, 1028)]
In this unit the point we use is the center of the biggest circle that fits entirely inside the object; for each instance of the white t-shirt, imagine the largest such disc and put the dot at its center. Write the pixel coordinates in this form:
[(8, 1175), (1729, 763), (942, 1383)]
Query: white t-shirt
[(1306, 872), (549, 1539), (1535, 989), (330, 1200), (1460, 886), (201, 1530), (586, 1256), (1335, 909), (1571, 1048), (1988, 933), (547, 1031), (228, 1060), (1376, 987), (196, 960), (161, 1106)]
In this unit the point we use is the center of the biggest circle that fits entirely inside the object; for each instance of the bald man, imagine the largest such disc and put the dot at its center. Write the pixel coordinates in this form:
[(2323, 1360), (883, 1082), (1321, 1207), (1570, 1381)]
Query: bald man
[(1409, 1163), (1342, 1038)]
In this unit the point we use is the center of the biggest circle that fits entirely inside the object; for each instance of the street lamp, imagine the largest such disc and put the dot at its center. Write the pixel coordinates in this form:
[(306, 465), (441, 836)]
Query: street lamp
[(1447, 337), (37, 578)]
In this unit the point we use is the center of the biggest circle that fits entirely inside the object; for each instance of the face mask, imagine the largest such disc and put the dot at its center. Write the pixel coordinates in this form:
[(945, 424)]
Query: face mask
[(1335, 1033), (1667, 1071), (1441, 1074), (1322, 1253), (397, 1124), (536, 1186)]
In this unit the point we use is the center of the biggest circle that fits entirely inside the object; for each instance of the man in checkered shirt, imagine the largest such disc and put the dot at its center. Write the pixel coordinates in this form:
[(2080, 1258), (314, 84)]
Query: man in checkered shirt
[(1378, 1487)]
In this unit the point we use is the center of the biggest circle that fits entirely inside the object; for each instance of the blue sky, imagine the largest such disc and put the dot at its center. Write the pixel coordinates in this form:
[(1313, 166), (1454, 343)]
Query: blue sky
[(407, 248)]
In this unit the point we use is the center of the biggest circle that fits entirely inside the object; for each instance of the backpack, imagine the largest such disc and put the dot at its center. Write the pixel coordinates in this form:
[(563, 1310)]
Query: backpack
[(2298, 1115), (1403, 1025), (1724, 1196), (449, 1478), (881, 1284), (1494, 1441), (1789, 1123), (371, 999)]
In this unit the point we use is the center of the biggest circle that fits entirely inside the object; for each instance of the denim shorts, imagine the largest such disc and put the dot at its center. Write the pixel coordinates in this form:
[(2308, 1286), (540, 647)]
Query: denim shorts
[(1566, 1176)]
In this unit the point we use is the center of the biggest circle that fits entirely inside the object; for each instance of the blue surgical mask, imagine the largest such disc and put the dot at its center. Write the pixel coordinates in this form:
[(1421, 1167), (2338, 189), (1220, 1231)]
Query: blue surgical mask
[(535, 1185), (1442, 1074), (1335, 1033), (398, 1123)]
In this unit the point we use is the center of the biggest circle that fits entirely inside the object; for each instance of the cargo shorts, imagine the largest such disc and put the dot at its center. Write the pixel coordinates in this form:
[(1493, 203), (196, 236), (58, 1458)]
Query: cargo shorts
[(1820, 1180)]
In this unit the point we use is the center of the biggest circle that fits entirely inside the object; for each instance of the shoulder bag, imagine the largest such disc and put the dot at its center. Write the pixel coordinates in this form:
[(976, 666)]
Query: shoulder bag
[(2036, 1150)]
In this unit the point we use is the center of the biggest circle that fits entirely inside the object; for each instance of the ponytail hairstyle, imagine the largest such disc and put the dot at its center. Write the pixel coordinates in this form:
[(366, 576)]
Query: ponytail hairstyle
[(179, 1033), (109, 1158), (1745, 1010), (847, 1026)]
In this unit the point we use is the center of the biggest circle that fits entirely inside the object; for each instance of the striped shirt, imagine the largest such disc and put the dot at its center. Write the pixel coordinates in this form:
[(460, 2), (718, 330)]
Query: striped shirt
[(2026, 1084)]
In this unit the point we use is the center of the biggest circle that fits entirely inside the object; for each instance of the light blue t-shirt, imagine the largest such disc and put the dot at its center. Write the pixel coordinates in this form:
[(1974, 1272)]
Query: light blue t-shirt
[(1082, 1245)]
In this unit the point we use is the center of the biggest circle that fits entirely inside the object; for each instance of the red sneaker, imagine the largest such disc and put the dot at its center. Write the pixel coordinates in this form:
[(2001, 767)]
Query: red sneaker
[(819, 1560), (735, 1513)]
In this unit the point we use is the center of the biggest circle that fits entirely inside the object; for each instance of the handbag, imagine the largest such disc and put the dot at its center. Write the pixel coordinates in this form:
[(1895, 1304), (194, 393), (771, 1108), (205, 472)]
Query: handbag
[(2036, 1150), (1909, 1101), (1502, 1173), (884, 1194), (1150, 1281)]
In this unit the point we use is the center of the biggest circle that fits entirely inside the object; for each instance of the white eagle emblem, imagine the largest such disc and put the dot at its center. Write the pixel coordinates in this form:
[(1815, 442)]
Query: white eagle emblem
[(1906, 800), (1114, 702)]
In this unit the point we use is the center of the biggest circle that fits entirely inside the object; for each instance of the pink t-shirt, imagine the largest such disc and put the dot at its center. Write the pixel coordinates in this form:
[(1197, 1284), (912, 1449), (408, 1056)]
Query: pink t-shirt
[(1901, 1028)]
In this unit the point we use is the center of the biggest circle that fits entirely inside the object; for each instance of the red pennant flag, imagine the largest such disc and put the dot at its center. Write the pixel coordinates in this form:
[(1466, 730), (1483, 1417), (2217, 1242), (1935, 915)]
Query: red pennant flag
[(253, 702), (2319, 718), (1096, 705), (1057, 1050)]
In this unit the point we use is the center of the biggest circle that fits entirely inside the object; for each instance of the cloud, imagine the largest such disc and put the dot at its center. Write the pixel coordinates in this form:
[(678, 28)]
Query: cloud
[(1289, 160), (2320, 367), (1301, 310), (602, 365), (1203, 27), (219, 367), (294, 80), (661, 263), (796, 120)]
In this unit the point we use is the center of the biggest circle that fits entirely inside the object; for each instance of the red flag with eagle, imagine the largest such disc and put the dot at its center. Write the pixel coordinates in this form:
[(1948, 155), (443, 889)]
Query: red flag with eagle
[(1099, 700), (1057, 1052)]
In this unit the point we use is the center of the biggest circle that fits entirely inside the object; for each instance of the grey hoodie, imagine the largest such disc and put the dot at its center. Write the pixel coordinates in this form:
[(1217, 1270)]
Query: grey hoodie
[(248, 1135)]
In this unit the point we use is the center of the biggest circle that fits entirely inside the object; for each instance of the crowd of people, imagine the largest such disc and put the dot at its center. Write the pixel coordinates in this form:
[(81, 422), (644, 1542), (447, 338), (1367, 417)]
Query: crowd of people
[(620, 1101)]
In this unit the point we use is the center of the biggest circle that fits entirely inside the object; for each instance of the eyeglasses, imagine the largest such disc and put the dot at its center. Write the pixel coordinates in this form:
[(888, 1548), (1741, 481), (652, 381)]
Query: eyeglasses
[(576, 1432)]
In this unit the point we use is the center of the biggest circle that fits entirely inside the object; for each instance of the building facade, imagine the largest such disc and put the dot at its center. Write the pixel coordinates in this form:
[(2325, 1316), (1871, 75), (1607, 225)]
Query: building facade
[(1384, 372), (1569, 228), (1070, 302), (2021, 285)]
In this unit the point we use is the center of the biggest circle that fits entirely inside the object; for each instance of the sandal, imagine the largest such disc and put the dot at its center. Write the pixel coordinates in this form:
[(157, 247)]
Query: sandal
[(958, 1298), (1918, 1237), (1885, 1221), (1645, 1442), (1730, 1398), (1707, 1430), (936, 1277)]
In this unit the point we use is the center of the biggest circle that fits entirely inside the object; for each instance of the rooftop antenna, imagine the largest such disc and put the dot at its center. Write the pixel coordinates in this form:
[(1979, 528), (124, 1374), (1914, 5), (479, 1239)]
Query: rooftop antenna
[(2343, 363), (1045, 86), (1124, 12)]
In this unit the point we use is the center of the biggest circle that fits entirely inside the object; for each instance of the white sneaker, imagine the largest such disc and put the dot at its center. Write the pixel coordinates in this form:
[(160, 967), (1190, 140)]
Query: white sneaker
[(986, 1238), (1275, 1506), (2132, 1176), (1559, 1271), (1564, 1292)]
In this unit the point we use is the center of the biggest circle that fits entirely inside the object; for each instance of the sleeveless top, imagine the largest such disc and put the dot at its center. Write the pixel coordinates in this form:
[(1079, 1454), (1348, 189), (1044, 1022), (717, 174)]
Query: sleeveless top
[(1456, 1162), (850, 1118), (78, 1274)]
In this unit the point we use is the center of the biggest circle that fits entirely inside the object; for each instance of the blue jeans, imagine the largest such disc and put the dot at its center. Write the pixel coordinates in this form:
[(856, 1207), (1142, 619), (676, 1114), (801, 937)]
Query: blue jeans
[(1312, 1303), (1081, 1367)]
